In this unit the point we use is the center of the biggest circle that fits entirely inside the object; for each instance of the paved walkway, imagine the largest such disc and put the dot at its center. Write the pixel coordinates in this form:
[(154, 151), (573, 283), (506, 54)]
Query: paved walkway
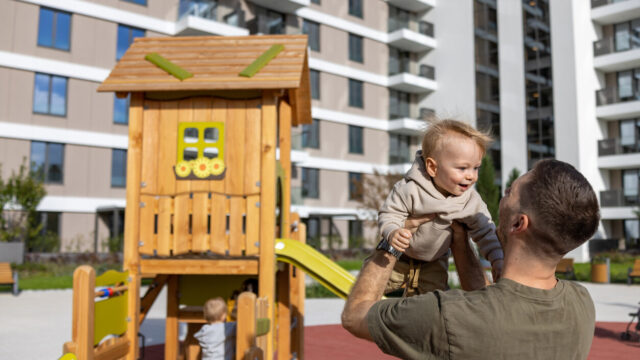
[(35, 324)]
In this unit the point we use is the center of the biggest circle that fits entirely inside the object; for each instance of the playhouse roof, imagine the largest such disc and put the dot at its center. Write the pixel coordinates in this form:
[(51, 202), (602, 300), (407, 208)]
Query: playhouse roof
[(215, 62)]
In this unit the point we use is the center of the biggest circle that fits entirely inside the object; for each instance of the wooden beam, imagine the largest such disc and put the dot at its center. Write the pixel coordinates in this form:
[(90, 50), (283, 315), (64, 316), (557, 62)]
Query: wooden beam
[(195, 267), (132, 220), (267, 210), (284, 122), (298, 288), (284, 313), (151, 295), (171, 329), (246, 325), (84, 283)]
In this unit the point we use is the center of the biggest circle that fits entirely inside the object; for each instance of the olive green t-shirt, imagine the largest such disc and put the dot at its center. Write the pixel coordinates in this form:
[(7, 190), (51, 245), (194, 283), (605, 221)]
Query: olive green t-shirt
[(504, 321)]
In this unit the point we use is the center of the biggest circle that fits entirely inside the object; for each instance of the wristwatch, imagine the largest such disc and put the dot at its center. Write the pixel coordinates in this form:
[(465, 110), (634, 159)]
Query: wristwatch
[(384, 245)]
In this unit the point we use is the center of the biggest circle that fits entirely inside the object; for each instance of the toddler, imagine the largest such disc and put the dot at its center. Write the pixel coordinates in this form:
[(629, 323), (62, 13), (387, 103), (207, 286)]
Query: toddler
[(217, 337), (439, 182)]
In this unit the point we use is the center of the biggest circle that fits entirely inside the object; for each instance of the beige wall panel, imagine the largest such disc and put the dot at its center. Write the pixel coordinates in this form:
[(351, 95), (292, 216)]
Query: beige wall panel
[(77, 171), (12, 153), (5, 93), (7, 23), (615, 178), (334, 95), (76, 233), (334, 48), (20, 100), (334, 143), (374, 12)]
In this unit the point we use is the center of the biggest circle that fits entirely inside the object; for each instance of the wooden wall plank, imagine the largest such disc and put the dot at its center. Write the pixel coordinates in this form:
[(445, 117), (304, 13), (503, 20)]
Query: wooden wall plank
[(167, 151), (171, 342), (132, 220), (268, 207), (246, 326), (236, 235), (185, 114), (284, 121), (284, 312), (252, 147), (264, 310), (218, 223), (150, 124), (219, 114), (252, 232), (234, 147), (165, 235), (147, 224), (200, 219), (181, 233)]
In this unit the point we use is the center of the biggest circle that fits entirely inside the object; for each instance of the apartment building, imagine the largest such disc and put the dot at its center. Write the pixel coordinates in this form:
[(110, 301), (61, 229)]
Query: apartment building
[(530, 70)]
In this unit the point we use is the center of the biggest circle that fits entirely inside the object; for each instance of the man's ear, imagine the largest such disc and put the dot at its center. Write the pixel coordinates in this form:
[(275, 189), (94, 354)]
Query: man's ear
[(432, 166), (520, 224)]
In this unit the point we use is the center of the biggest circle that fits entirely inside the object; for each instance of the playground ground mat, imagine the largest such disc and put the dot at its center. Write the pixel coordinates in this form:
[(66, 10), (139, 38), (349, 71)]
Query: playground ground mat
[(335, 343)]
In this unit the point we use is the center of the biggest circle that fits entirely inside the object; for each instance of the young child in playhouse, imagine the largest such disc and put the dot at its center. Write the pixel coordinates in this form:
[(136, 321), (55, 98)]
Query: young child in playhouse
[(217, 337), (439, 182)]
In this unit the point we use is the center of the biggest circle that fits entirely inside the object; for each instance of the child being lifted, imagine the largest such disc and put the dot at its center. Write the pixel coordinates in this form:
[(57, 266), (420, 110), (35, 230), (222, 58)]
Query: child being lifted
[(439, 182)]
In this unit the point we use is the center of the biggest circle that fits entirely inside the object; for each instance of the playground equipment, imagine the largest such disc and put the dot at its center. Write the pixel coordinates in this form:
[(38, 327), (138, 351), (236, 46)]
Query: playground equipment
[(207, 196)]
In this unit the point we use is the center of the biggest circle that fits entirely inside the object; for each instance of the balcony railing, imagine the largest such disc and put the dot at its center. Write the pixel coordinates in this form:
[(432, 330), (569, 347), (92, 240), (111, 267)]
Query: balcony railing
[(597, 3), (296, 195), (422, 27), (616, 147), (611, 96), (603, 46), (211, 10), (616, 198), (427, 71)]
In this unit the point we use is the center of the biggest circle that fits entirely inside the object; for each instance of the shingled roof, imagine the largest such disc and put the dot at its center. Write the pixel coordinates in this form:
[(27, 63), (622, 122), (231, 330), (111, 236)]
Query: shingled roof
[(215, 62)]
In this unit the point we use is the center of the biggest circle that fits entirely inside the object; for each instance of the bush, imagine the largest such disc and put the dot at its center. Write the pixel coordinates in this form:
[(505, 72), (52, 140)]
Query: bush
[(48, 242)]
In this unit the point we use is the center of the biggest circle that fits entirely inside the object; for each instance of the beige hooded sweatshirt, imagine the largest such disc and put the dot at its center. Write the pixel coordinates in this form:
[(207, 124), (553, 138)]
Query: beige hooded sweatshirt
[(416, 195)]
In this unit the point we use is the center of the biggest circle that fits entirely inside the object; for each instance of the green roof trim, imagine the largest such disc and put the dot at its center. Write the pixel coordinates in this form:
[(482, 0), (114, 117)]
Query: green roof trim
[(168, 66), (262, 61)]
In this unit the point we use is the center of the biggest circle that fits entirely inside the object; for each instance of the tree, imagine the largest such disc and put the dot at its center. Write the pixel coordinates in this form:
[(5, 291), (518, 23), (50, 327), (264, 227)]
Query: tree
[(374, 188), (513, 175), (487, 187), (20, 194)]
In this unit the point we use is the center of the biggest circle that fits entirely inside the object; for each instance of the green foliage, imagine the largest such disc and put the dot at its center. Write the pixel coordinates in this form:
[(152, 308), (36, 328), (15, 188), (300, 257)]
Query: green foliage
[(318, 291), (115, 244), (48, 242), (513, 175), (356, 242), (487, 188), (24, 190)]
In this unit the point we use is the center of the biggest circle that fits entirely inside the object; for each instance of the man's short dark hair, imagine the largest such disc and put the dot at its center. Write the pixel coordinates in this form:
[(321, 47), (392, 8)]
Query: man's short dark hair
[(562, 206)]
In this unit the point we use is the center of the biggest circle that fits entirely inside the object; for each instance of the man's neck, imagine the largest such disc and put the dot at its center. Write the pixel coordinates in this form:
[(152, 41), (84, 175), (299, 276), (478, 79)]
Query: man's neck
[(528, 271)]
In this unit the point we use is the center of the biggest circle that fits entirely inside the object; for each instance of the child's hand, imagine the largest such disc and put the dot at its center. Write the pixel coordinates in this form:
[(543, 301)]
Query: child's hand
[(400, 239), (496, 269)]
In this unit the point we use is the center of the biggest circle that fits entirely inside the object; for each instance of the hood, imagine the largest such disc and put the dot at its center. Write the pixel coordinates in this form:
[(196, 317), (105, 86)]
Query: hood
[(418, 174)]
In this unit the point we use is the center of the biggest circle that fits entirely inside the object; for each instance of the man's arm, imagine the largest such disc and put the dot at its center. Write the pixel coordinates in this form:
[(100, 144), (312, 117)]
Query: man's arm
[(368, 289), (469, 269)]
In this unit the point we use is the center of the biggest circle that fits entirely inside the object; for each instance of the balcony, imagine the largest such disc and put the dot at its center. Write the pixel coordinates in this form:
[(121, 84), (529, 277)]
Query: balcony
[(612, 107), (285, 6), (608, 59), (611, 11), (414, 36), (616, 198), (200, 17), (406, 126), (405, 80), (413, 5)]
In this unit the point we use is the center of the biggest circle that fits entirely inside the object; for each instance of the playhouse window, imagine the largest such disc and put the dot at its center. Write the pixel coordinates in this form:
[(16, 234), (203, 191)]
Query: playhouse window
[(191, 135), (211, 135), (211, 153), (200, 139), (190, 153)]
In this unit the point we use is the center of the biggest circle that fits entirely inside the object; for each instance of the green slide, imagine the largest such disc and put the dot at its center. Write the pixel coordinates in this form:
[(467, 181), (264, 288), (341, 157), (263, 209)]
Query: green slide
[(322, 269)]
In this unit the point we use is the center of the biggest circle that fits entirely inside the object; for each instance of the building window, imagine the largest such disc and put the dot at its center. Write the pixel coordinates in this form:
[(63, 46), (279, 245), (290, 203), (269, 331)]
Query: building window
[(118, 168), (355, 48), (399, 61), (356, 234), (399, 149), (47, 160), (355, 186), (317, 2), (139, 2), (275, 22), (355, 93), (628, 85), (54, 28), (627, 35), (310, 183), (50, 95), (121, 110), (311, 135), (50, 223), (315, 84), (313, 231), (630, 186), (312, 29), (355, 8), (126, 34), (399, 104), (355, 140)]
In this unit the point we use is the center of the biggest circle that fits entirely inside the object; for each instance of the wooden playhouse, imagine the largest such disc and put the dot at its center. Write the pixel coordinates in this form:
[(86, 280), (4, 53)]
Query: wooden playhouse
[(207, 193)]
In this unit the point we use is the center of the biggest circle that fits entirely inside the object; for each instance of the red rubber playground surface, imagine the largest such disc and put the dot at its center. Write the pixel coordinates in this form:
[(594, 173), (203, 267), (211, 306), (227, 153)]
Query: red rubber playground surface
[(334, 343)]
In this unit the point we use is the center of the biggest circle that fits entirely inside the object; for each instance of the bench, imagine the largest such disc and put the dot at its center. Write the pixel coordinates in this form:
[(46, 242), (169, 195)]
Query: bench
[(634, 272), (8, 277), (565, 267)]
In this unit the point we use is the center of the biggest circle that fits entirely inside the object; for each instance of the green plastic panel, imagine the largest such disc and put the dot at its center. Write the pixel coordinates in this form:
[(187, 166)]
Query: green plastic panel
[(262, 61), (111, 314), (168, 66), (262, 326), (200, 144)]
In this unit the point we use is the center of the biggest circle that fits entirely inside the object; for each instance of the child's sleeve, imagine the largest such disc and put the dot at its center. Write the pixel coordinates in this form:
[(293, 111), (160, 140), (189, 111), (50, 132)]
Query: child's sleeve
[(394, 211), (482, 231)]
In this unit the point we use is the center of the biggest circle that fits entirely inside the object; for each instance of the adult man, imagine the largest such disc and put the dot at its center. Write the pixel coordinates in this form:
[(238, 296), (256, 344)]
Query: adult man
[(527, 314)]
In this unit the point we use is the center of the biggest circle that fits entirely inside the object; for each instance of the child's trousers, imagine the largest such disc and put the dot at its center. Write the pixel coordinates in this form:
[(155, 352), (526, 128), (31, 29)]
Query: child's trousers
[(419, 277)]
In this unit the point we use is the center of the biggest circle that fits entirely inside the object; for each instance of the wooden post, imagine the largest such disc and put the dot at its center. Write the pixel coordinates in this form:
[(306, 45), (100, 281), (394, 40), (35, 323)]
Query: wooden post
[(246, 325), (267, 210), (171, 329), (284, 313), (298, 288), (84, 283), (132, 221)]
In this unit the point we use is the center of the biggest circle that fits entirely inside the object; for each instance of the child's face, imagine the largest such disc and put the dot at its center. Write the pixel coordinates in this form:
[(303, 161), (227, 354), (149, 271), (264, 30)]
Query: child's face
[(454, 168)]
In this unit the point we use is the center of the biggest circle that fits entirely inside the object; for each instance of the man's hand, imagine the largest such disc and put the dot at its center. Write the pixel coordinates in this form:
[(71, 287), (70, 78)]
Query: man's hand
[(412, 223), (496, 269), (400, 239)]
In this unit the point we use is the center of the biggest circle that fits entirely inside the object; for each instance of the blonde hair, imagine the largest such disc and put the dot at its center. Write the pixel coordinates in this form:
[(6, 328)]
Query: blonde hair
[(439, 128), (214, 308)]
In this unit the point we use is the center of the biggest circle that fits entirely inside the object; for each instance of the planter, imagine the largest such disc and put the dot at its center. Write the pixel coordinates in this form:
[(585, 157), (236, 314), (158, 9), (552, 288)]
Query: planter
[(599, 273), (12, 252)]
